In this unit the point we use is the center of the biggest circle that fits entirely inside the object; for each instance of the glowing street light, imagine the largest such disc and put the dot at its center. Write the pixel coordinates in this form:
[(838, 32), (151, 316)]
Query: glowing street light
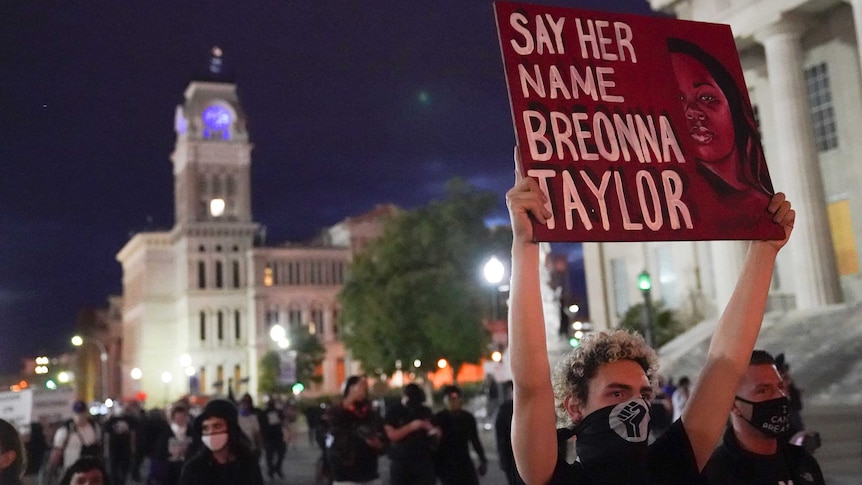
[(78, 341), (494, 272), (137, 373), (442, 364)]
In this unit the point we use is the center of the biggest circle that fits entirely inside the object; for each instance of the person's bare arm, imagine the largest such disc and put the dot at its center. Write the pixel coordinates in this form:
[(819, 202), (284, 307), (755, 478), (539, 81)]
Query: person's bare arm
[(396, 434), (534, 434), (729, 352)]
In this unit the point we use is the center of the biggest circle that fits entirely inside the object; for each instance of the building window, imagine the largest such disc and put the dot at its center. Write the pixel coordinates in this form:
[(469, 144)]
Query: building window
[(620, 282), (220, 323), (203, 380), (203, 326), (822, 110), (236, 274), (237, 375), (237, 325), (202, 275), (267, 275), (220, 376), (219, 274), (294, 317), (316, 327)]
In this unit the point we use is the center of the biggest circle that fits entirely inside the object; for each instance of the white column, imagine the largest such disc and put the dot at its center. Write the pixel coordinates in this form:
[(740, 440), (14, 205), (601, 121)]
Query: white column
[(857, 22), (727, 257), (814, 269), (328, 325)]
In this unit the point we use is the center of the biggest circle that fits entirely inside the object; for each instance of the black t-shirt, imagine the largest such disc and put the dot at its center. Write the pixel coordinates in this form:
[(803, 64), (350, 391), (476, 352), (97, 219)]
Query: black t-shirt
[(671, 461), (732, 465), (350, 456), (418, 444), (203, 469), (119, 430)]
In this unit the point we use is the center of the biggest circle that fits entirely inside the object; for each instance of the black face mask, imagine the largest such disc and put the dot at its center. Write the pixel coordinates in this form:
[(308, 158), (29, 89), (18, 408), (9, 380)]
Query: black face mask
[(771, 417), (612, 443)]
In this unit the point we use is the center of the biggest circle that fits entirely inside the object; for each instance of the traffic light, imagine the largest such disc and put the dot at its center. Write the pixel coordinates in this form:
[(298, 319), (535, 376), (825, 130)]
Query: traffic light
[(574, 342), (297, 388), (644, 281)]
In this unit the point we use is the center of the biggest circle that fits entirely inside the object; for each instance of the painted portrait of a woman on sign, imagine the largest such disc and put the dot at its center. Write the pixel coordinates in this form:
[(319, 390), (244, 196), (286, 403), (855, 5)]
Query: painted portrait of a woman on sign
[(637, 128)]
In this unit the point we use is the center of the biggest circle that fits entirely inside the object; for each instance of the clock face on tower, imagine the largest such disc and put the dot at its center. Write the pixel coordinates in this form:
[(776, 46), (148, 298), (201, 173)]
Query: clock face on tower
[(216, 117)]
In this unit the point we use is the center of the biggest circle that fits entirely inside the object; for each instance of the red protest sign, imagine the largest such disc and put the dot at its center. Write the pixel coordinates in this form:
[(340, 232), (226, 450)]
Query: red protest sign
[(637, 128)]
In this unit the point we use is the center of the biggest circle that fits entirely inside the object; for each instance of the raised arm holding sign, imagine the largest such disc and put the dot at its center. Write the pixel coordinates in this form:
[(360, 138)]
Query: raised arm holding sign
[(604, 160), (604, 386)]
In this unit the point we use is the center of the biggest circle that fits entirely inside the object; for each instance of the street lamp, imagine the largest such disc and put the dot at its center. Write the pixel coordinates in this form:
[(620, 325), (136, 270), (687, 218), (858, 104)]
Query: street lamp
[(279, 335), (78, 341), (645, 285), (494, 272)]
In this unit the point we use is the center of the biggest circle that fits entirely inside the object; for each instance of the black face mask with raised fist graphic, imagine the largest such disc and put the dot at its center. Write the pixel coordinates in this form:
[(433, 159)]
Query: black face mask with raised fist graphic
[(612, 443)]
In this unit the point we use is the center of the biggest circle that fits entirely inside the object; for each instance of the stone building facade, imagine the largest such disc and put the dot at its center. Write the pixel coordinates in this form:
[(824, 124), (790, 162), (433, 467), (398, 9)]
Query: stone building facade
[(801, 61)]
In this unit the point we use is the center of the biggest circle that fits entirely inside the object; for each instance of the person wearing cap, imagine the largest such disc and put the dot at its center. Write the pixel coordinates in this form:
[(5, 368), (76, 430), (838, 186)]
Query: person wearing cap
[(81, 436), (225, 457), (458, 429), (355, 438)]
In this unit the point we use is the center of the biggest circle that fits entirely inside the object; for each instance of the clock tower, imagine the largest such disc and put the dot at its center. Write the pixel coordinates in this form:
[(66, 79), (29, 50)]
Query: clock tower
[(213, 154)]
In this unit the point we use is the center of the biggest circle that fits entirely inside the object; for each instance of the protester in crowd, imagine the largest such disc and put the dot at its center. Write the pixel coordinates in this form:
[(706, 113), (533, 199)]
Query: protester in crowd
[(273, 437), (458, 430), (153, 424), (604, 384), (249, 423), (81, 436), (680, 396), (503, 433), (660, 412), (87, 470), (172, 448), (225, 457), (13, 460), (794, 394), (36, 447), (355, 438), (290, 413), (754, 449), (135, 414), (120, 436), (412, 436)]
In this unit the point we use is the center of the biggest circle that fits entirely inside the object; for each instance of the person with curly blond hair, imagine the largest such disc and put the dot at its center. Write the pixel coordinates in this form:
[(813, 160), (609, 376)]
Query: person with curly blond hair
[(604, 388)]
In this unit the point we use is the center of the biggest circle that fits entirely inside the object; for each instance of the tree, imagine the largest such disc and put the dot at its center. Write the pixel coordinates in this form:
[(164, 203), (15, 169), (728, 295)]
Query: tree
[(665, 324), (309, 355), (417, 291)]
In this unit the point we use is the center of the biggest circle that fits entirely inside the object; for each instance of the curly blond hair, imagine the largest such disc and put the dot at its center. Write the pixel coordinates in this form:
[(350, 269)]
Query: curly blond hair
[(574, 372)]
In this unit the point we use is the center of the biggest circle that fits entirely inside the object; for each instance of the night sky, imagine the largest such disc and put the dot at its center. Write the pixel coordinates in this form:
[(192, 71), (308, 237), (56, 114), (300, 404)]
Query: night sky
[(350, 104)]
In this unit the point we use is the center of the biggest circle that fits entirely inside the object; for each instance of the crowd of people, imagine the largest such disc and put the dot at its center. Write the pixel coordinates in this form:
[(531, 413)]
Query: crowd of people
[(221, 443), (422, 446)]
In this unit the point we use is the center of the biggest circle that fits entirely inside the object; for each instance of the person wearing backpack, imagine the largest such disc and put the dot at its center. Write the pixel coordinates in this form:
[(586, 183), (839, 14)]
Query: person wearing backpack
[(81, 436)]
